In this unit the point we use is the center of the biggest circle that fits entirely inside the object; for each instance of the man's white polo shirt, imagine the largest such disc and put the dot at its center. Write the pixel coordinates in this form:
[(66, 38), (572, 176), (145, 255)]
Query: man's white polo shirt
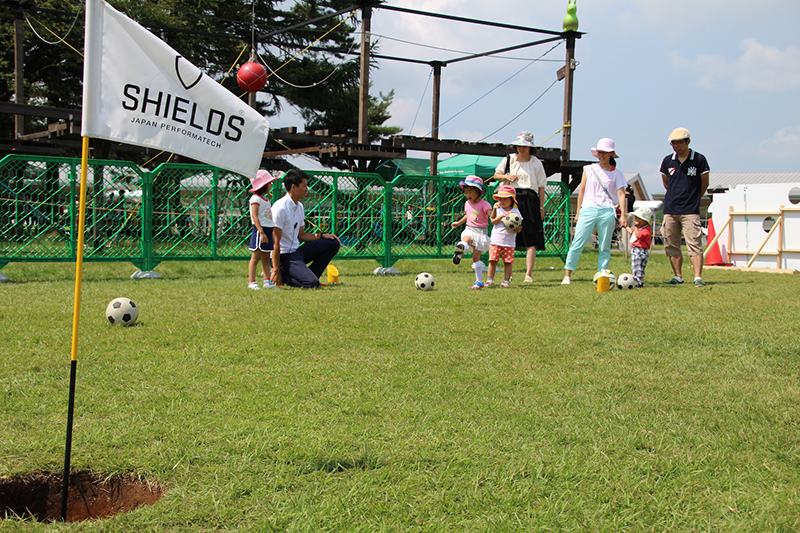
[(289, 217)]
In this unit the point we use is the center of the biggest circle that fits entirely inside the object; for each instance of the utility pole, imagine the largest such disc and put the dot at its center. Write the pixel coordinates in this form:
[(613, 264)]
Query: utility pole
[(19, 67), (566, 136), (363, 99), (437, 85)]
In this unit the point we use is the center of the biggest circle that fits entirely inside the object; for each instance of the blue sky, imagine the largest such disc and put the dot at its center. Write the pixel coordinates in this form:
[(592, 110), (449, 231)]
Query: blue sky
[(728, 70)]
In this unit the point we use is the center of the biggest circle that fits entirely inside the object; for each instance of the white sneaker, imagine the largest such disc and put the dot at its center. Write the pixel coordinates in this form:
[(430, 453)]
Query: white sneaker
[(269, 285), (254, 286), (565, 281)]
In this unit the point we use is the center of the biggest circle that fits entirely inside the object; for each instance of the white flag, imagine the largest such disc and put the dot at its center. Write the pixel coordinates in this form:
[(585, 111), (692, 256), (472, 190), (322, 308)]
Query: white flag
[(137, 90)]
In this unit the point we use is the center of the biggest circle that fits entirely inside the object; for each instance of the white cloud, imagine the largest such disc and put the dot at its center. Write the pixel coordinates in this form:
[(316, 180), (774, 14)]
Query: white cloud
[(758, 68), (679, 16), (784, 144)]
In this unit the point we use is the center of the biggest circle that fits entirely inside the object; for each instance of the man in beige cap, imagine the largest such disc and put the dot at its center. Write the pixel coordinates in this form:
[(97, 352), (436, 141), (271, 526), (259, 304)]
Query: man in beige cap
[(685, 177)]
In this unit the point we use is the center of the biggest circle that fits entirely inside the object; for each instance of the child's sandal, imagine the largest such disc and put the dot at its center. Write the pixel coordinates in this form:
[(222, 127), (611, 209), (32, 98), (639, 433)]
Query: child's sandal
[(458, 254)]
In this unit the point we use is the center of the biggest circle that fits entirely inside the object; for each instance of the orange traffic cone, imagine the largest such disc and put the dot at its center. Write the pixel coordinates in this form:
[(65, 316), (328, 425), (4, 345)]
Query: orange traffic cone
[(714, 257)]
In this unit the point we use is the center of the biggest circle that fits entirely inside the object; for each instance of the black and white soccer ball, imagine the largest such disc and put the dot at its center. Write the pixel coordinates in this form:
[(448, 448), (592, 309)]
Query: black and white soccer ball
[(512, 221), (626, 281), (122, 312), (424, 281), (612, 279)]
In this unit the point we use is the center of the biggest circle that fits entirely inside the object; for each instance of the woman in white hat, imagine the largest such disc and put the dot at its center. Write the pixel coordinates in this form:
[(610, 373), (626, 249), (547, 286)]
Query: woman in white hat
[(602, 187), (523, 171)]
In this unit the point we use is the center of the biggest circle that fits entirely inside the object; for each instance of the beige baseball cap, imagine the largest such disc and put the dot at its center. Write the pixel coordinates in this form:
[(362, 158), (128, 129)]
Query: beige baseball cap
[(679, 134)]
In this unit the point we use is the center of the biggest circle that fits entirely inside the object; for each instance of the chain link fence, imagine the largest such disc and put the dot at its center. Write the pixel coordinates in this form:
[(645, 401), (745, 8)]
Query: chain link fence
[(180, 212)]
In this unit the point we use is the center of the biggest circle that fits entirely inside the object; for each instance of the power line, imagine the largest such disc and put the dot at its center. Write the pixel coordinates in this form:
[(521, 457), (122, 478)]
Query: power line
[(495, 88), (521, 112), (455, 51), (323, 80), (60, 39)]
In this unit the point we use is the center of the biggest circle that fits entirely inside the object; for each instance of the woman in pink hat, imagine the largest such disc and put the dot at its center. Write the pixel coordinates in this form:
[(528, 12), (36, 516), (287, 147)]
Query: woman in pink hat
[(261, 238), (523, 171), (503, 239), (602, 187)]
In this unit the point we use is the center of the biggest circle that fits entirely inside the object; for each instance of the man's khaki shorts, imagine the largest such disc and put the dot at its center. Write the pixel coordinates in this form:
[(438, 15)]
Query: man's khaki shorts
[(692, 232)]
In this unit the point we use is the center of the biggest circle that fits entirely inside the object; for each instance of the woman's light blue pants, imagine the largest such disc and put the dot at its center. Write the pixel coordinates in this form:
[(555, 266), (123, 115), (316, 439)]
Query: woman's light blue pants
[(589, 218)]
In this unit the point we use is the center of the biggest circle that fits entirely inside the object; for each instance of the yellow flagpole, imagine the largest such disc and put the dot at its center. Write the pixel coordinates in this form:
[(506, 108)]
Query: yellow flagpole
[(76, 312), (79, 261)]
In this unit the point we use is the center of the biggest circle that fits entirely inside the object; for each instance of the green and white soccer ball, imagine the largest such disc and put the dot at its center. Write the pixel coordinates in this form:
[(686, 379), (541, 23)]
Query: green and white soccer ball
[(612, 279)]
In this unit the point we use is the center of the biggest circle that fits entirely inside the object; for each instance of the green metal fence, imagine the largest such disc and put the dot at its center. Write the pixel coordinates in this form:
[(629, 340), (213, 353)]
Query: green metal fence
[(181, 212)]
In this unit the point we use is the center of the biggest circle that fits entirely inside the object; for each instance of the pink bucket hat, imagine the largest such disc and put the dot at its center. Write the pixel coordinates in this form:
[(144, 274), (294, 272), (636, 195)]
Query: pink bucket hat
[(472, 181), (605, 145), (262, 178), (505, 191)]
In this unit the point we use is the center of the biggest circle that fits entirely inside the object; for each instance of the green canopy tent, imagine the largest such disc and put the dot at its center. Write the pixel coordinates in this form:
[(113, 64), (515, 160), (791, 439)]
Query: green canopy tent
[(412, 166), (462, 165)]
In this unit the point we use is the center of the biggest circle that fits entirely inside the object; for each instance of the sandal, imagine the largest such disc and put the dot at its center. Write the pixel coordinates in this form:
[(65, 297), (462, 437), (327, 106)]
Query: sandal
[(458, 254), (490, 282), (528, 279), (506, 284)]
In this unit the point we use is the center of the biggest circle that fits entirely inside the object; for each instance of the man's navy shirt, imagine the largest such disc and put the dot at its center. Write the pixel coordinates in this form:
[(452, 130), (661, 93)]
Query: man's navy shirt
[(683, 183)]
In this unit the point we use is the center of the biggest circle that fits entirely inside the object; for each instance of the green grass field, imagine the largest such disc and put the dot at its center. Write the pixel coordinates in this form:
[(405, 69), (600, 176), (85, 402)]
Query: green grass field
[(371, 406)]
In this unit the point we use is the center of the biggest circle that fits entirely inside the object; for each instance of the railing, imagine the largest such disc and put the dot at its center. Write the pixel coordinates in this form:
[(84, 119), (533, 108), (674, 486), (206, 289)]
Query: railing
[(180, 212)]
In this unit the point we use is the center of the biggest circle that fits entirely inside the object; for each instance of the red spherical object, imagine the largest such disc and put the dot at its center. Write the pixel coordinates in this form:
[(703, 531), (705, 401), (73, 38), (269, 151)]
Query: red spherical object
[(251, 77)]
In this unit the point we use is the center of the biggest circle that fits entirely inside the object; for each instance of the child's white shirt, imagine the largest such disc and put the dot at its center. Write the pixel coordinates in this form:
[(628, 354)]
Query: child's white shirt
[(264, 211), (500, 234)]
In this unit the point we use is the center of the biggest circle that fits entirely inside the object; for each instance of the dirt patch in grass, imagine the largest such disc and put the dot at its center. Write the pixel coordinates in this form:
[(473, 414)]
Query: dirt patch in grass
[(37, 496)]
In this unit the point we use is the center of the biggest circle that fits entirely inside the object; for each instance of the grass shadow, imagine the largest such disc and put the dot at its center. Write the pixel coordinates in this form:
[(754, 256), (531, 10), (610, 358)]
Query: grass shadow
[(331, 465)]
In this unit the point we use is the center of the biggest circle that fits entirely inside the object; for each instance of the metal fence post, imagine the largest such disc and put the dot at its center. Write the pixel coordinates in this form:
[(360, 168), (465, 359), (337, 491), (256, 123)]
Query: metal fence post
[(334, 205), (387, 225), (214, 206), (146, 214), (439, 217)]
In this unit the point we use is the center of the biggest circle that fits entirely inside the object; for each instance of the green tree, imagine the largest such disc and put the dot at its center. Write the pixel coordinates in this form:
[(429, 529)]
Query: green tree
[(211, 34), (342, 111)]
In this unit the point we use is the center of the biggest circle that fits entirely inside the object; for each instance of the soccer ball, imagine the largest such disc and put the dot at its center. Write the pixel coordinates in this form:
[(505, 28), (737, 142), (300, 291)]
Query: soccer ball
[(122, 312), (626, 281), (612, 279), (424, 282), (512, 221)]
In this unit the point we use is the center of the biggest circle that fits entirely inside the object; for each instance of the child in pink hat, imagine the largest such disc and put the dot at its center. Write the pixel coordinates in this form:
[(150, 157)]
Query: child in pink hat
[(261, 237), (476, 234), (503, 241)]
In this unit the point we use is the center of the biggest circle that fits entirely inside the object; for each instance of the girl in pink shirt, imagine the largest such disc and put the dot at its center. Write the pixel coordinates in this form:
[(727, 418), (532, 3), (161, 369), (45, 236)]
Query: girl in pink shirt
[(476, 234)]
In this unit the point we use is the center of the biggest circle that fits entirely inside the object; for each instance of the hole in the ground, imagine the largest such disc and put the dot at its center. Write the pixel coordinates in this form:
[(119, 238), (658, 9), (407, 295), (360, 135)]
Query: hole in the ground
[(38, 496)]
